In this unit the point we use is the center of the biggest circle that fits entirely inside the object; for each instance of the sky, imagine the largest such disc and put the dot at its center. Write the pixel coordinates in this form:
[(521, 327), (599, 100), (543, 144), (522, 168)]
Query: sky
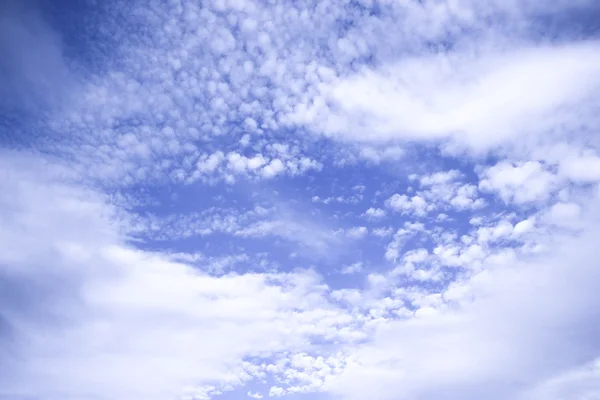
[(308, 200)]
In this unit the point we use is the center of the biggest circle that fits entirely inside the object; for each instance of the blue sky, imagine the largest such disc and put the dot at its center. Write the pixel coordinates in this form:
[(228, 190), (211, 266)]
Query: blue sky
[(231, 199)]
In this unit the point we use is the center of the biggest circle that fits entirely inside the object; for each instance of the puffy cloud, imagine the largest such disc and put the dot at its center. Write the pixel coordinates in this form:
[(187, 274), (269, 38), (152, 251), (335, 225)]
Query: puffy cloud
[(392, 252), (170, 134), (439, 178), (524, 226), (439, 190), (406, 205), (519, 183), (495, 341), (274, 168), (374, 213), (357, 232), (219, 166)]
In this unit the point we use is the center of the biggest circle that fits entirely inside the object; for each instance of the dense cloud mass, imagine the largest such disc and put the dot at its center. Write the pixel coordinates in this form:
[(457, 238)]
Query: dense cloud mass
[(382, 199)]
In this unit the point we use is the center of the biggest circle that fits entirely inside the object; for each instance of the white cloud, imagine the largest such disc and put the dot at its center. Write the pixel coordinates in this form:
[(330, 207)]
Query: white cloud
[(407, 205), (249, 222), (158, 112), (274, 168), (374, 213), (478, 101), (352, 268), (354, 198), (583, 169), (243, 91), (566, 214), (304, 372), (209, 163), (276, 391), (94, 315), (357, 232), (414, 266), (440, 190), (524, 226), (439, 178), (495, 341), (466, 198), (217, 166), (492, 233), (383, 232), (578, 383), (416, 256), (519, 183), (380, 154), (393, 249)]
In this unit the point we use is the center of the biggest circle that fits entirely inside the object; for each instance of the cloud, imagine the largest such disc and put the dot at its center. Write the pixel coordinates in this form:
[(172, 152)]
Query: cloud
[(519, 183), (581, 168), (357, 232), (151, 147), (524, 327), (374, 213), (581, 382), (159, 114), (404, 204), (86, 314), (352, 268), (399, 239), (477, 101), (438, 191), (564, 214)]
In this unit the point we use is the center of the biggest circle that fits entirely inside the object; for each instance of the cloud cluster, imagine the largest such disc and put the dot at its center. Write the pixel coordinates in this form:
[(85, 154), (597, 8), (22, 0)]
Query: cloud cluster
[(438, 191), (451, 156), (228, 76), (490, 335), (86, 314)]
